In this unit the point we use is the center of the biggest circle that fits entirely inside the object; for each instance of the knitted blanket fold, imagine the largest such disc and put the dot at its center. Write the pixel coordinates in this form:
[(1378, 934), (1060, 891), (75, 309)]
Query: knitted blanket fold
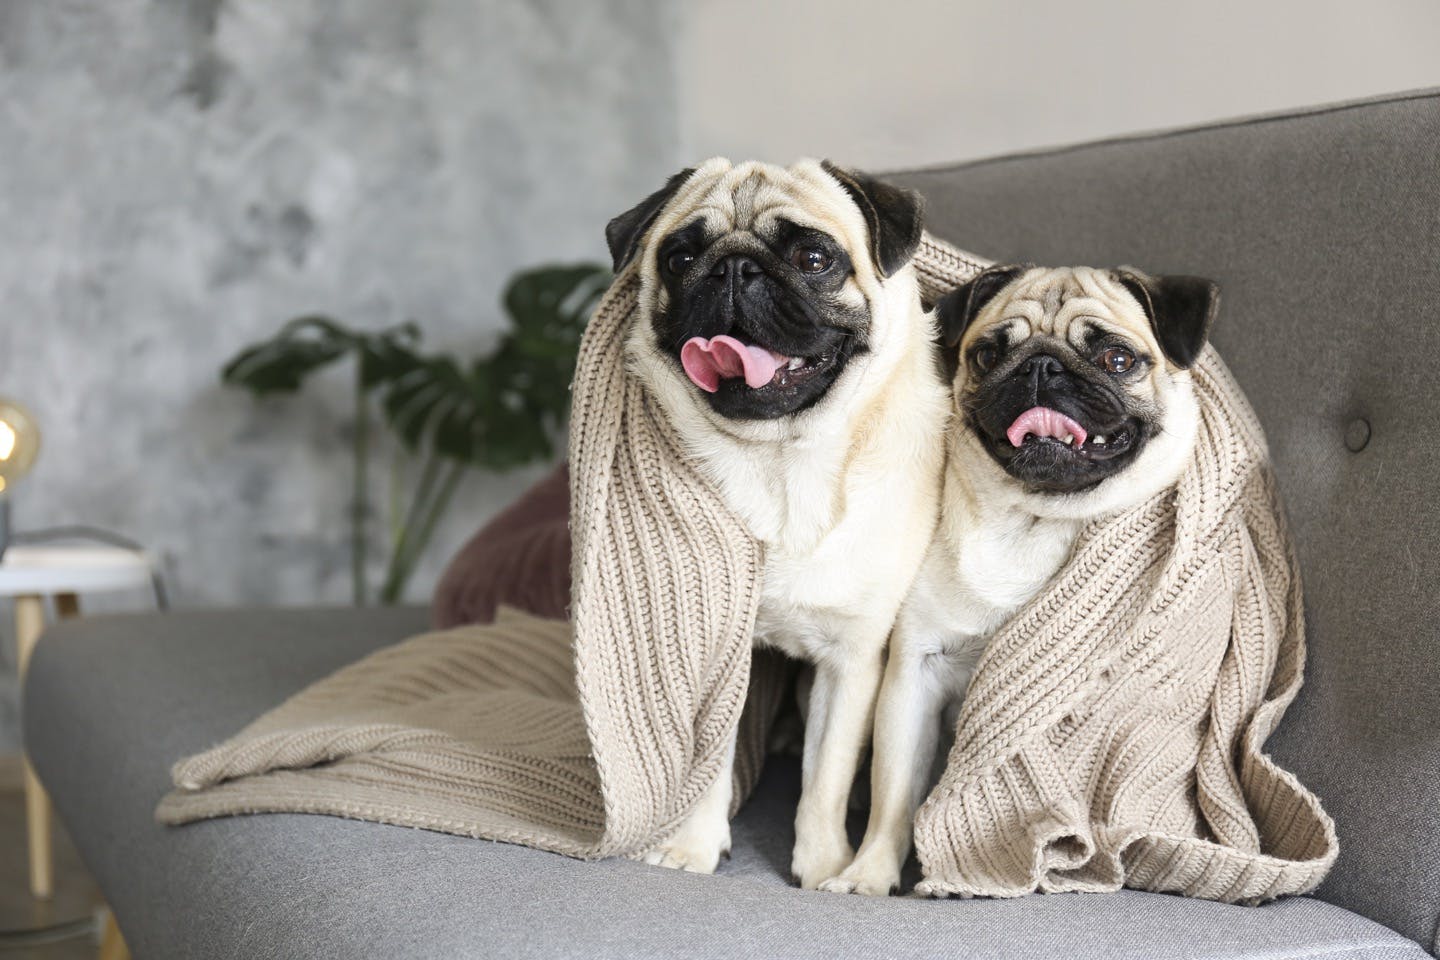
[(1113, 732), (590, 742), (1112, 735)]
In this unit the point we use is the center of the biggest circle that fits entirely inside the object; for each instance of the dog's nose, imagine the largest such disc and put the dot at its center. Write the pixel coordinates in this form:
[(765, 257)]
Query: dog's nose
[(1042, 367), (735, 268)]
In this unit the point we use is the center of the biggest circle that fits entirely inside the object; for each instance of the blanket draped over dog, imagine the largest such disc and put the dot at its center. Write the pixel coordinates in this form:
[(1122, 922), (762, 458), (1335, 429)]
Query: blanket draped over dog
[(1112, 735)]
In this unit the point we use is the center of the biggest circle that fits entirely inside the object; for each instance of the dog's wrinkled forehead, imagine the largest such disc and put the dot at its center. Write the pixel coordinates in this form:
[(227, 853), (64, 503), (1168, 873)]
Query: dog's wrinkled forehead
[(1066, 303), (756, 198)]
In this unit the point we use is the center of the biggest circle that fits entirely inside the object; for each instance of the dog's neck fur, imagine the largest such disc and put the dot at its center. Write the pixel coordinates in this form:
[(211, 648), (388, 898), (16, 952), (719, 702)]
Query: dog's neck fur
[(787, 478), (1001, 552), (1006, 543)]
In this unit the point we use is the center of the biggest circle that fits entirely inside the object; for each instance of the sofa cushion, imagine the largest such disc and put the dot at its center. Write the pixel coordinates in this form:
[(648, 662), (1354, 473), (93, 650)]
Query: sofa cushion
[(1323, 230), (111, 702), (520, 558)]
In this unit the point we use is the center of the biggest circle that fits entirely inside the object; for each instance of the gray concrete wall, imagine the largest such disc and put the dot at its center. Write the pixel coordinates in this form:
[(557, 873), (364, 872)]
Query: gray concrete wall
[(179, 176), (922, 82)]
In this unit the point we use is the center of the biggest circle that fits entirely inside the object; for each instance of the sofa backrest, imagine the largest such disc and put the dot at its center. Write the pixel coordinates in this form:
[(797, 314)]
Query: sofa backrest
[(1323, 229)]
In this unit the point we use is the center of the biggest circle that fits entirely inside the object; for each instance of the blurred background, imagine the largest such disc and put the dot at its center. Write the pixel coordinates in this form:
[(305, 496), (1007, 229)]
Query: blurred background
[(179, 177)]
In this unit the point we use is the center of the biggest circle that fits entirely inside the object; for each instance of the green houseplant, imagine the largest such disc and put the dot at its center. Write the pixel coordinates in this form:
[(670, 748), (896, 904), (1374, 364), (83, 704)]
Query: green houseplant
[(494, 412)]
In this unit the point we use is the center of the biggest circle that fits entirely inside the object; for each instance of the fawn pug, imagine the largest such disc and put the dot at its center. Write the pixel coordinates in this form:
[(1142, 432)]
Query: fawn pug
[(780, 330), (1072, 399)]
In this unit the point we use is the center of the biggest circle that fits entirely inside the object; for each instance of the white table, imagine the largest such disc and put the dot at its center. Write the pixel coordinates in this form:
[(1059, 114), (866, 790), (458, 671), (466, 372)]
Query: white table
[(29, 574)]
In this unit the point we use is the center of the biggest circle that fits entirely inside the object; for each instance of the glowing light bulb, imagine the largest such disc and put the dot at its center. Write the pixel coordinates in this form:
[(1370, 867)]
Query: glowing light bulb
[(19, 442)]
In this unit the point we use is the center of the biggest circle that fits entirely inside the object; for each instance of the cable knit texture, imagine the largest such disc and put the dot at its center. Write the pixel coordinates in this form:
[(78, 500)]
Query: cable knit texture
[(1112, 735), (509, 731)]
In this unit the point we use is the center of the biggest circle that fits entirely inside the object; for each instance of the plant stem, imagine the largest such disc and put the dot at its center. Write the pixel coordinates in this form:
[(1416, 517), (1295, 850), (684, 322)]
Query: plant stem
[(360, 506), (405, 566), (401, 544), (393, 518)]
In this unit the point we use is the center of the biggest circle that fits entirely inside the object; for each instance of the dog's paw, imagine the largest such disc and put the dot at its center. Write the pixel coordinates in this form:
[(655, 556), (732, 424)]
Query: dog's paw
[(867, 876), (813, 864), (693, 849)]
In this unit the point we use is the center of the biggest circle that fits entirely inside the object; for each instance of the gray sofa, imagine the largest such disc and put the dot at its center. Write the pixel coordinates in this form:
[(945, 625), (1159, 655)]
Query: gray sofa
[(1323, 228)]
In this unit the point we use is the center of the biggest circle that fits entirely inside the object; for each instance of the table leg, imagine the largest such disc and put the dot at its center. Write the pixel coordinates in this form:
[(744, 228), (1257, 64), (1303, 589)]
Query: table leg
[(67, 605), (112, 944), (29, 624)]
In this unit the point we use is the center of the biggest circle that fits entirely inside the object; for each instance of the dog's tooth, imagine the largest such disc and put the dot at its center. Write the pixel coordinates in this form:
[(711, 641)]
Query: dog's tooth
[(1069, 440), (795, 363), (1098, 439)]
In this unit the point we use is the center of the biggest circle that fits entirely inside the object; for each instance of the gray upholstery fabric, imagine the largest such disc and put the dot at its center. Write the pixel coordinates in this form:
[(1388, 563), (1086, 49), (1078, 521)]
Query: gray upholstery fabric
[(111, 702), (1323, 230)]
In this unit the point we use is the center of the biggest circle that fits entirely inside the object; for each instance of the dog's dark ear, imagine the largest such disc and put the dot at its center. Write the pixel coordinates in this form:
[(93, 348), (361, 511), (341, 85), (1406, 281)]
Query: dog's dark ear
[(624, 232), (958, 307), (1181, 310), (894, 216)]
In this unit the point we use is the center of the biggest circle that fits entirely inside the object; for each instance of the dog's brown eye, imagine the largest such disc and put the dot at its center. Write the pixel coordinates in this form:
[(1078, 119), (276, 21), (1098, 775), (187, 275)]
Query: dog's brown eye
[(1117, 360), (810, 260), (984, 358), (679, 261)]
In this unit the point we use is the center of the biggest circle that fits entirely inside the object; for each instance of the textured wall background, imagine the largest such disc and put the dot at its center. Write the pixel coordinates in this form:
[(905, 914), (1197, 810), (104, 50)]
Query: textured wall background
[(179, 176), (934, 81)]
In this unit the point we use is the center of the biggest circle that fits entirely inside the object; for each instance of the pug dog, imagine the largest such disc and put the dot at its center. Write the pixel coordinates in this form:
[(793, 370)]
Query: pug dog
[(1073, 400), (780, 330)]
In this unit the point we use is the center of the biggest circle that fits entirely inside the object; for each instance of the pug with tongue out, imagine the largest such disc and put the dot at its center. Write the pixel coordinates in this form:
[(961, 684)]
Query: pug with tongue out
[(779, 328), (1072, 400)]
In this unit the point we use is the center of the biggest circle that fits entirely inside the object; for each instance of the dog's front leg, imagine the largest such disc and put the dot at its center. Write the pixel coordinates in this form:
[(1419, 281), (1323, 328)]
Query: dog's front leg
[(704, 836), (842, 702), (907, 728)]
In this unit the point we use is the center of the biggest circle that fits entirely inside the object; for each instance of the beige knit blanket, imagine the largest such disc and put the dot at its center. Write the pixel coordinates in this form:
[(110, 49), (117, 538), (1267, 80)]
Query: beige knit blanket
[(1112, 735), (592, 742)]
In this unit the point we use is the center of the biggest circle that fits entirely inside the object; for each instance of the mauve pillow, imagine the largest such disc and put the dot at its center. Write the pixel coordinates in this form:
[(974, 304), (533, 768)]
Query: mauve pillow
[(520, 559)]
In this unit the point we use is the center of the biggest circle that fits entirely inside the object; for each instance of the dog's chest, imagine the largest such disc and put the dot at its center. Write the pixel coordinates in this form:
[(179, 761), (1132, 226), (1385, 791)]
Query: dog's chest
[(808, 601), (1003, 565), (814, 527), (977, 579)]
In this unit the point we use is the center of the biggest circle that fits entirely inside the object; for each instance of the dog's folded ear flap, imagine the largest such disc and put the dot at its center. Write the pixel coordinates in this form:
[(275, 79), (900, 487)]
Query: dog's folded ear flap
[(958, 308), (894, 216), (1181, 310), (625, 231)]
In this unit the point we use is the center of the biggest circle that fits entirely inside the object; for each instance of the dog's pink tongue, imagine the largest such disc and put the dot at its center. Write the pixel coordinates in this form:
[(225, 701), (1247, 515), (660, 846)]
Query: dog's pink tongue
[(1044, 422), (707, 362)]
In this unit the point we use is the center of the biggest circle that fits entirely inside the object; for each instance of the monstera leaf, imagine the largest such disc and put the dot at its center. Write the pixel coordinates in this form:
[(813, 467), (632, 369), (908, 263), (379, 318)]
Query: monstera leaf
[(536, 361), (496, 412), (502, 411), (442, 403), (307, 344)]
